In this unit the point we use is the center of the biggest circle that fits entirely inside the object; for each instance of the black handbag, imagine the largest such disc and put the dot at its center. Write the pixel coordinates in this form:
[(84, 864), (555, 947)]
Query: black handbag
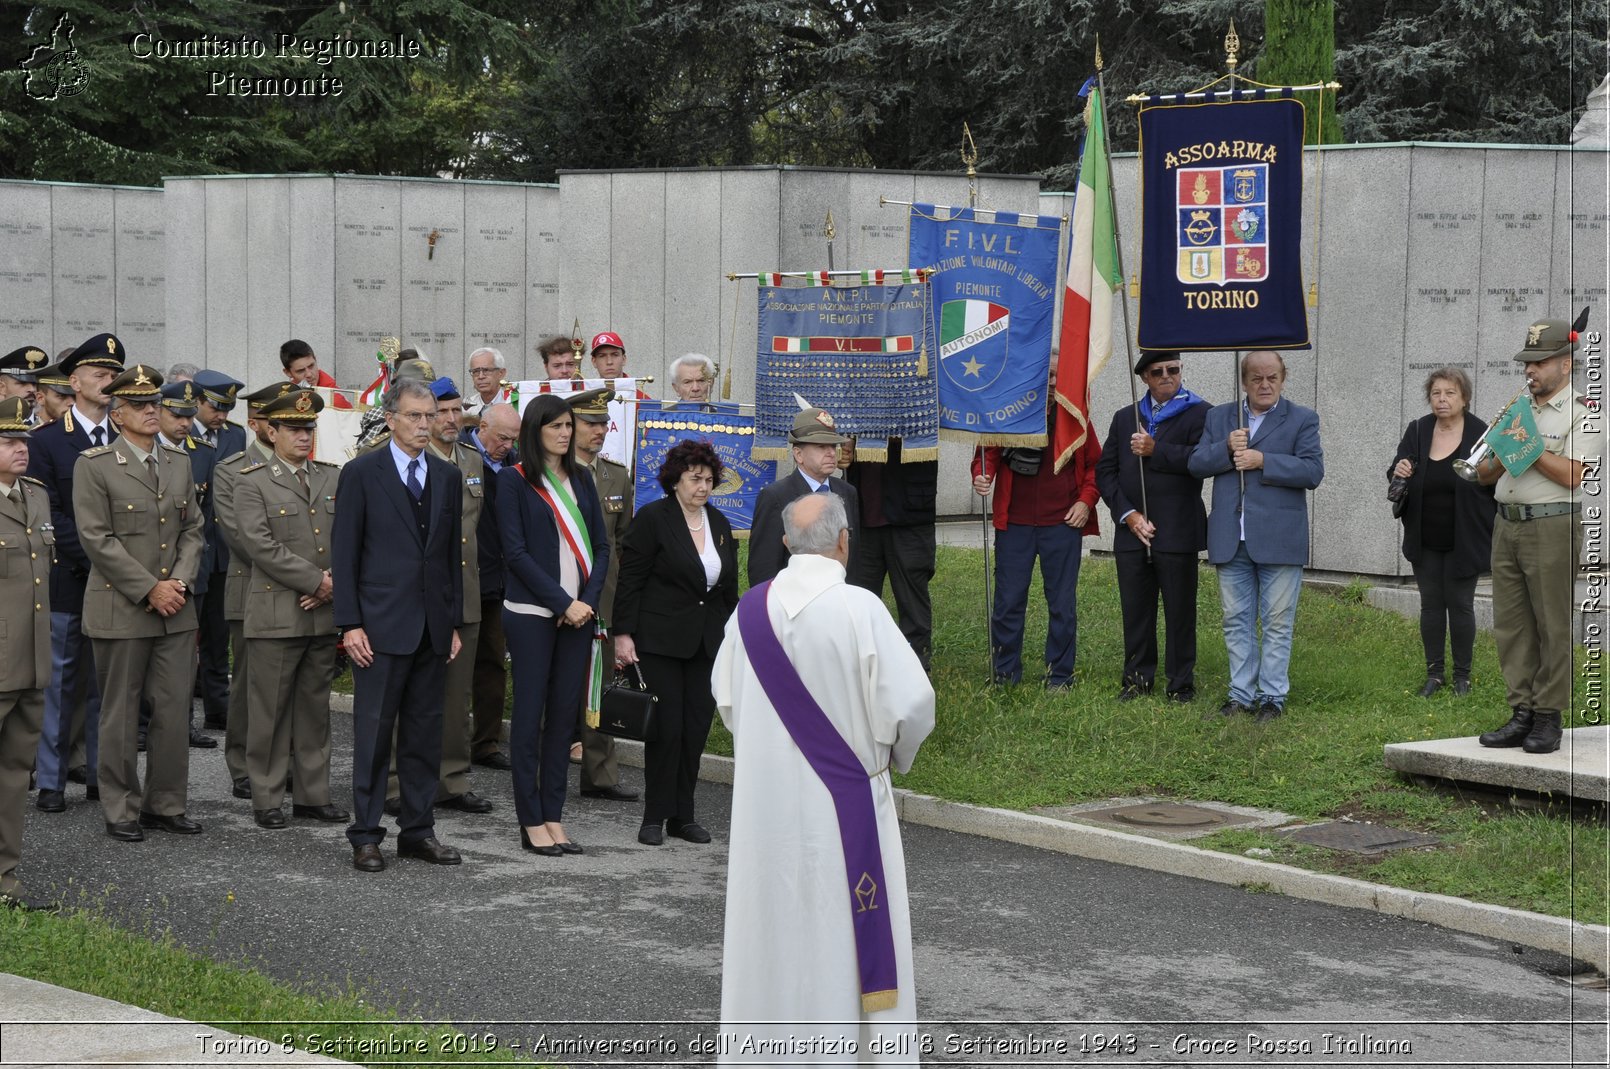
[(1397, 487), (627, 712)]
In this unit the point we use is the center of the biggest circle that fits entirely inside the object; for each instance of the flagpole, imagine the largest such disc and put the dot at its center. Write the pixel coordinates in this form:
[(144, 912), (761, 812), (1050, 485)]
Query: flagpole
[(970, 158), (1118, 252), (1232, 48)]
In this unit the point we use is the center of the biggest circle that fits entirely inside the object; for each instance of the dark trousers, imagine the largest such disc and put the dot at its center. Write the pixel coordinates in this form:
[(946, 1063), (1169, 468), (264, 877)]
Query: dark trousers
[(212, 672), (1447, 610), (402, 693), (682, 725), (550, 677), (491, 681), (1140, 580), (1058, 548), (906, 556)]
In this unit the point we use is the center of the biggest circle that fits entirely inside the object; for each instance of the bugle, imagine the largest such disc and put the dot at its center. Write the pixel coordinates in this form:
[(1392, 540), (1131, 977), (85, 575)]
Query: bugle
[(1466, 468)]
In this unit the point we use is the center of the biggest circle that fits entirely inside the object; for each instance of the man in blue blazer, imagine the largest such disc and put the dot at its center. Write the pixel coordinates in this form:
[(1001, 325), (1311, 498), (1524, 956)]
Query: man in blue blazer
[(1258, 537), (815, 443), (399, 599), (217, 395)]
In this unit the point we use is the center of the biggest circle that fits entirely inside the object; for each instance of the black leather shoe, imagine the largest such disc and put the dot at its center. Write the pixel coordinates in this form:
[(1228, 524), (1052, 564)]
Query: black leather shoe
[(1461, 685), (1232, 707), (1545, 734), (568, 847), (125, 831), (1430, 686), (198, 741), (651, 835), (692, 831), (327, 813), (1267, 711), (468, 802), (92, 793), (497, 759), (1184, 696), (551, 850), (242, 788), (1512, 733), (613, 793), (78, 774), (212, 723), (178, 825), (366, 858), (431, 851), (16, 901), (270, 818), (51, 802), (393, 807)]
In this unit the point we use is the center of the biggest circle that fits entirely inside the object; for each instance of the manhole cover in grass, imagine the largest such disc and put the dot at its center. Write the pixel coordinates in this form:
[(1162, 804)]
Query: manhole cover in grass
[(1358, 837), (1166, 815)]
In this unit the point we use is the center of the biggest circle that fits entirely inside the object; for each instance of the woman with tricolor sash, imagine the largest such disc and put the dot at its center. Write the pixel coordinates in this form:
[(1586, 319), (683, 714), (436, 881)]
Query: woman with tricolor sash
[(555, 553)]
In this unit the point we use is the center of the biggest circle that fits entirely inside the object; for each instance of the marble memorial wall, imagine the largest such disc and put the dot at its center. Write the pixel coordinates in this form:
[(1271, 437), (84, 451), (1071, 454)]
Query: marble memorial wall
[(1432, 255)]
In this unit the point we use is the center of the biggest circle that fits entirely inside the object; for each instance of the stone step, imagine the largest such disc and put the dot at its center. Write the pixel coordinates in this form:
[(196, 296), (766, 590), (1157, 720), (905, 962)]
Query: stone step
[(1578, 769)]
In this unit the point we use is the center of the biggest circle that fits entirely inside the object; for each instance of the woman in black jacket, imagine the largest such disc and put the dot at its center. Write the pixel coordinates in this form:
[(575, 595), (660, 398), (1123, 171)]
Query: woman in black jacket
[(1447, 524), (678, 585)]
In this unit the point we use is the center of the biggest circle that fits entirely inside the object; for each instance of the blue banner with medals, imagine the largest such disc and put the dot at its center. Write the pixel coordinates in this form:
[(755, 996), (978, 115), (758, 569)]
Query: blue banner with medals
[(859, 351), (993, 302), (1221, 208), (729, 433)]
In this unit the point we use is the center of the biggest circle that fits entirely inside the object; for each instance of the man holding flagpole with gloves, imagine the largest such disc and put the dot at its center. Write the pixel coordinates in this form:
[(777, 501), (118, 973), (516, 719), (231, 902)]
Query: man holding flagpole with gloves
[(817, 965)]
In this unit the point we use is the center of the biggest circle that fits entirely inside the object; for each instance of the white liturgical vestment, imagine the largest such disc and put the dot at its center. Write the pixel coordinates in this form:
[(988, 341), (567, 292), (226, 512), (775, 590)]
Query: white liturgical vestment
[(790, 953)]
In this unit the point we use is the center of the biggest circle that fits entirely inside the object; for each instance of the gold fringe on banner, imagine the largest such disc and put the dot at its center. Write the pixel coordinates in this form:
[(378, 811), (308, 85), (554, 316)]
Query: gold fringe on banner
[(1026, 441)]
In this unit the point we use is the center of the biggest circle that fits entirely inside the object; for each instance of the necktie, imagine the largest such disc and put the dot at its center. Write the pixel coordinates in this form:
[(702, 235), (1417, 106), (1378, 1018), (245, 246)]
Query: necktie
[(98, 436), (415, 487), (822, 489), (301, 478), (151, 462)]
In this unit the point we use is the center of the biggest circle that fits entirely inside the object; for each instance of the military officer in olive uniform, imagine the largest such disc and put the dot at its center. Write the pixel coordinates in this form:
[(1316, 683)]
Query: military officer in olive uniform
[(284, 509), (224, 475), (26, 546), (1537, 542), (600, 773), (140, 525)]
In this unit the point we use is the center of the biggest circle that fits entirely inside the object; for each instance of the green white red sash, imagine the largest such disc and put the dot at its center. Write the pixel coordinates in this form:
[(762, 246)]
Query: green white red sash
[(573, 530)]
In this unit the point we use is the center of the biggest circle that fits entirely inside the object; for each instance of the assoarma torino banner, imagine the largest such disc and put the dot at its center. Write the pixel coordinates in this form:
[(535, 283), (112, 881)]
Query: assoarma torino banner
[(860, 351), (992, 301), (622, 410), (1221, 216), (730, 434)]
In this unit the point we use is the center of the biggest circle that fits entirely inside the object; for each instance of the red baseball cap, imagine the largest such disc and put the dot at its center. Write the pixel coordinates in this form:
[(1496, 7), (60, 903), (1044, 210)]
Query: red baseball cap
[(608, 337)]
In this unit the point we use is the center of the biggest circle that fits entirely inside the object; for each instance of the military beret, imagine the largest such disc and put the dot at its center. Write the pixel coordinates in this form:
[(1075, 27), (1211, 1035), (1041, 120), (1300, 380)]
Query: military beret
[(445, 389)]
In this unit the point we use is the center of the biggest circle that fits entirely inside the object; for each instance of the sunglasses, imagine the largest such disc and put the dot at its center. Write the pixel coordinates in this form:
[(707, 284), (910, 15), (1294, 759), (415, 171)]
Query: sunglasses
[(1169, 372)]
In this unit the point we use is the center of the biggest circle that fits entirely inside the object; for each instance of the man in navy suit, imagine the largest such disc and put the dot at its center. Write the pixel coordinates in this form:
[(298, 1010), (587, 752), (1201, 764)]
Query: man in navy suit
[(816, 455), (217, 395), (1156, 504), (399, 599), (1258, 536), (54, 450)]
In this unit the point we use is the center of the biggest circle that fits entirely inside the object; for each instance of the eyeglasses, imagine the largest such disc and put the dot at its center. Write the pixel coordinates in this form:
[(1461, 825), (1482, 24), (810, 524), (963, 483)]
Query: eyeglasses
[(483, 371), (415, 417), (1169, 372)]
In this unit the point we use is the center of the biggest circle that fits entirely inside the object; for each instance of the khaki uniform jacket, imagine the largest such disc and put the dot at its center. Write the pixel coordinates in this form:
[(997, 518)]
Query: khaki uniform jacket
[(286, 535), (224, 476), (468, 459), (27, 546), (135, 535), (615, 498)]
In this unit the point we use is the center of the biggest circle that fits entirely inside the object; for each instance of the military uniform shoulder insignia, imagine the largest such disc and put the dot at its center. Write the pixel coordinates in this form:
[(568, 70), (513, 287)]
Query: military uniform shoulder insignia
[(95, 451), (31, 479), (174, 449), (248, 469), (324, 463), (194, 443), (612, 463)]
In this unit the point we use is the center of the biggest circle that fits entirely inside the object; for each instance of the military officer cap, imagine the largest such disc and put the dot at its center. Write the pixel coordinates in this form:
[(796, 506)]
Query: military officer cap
[(814, 427), (293, 406), (180, 398), (15, 412), (416, 368), (138, 383), (445, 389), (103, 350), (592, 406), (23, 364), (1546, 339), (52, 377), (263, 395), (217, 389)]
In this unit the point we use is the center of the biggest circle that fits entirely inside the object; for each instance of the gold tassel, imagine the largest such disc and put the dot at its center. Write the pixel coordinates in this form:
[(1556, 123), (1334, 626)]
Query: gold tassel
[(1313, 295), (922, 363), (1134, 287), (726, 384)]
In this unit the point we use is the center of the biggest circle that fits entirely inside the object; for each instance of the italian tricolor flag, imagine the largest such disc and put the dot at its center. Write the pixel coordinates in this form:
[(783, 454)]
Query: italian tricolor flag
[(1086, 340)]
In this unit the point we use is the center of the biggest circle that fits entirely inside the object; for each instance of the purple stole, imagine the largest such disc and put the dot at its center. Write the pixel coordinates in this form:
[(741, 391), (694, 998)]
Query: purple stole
[(831, 758)]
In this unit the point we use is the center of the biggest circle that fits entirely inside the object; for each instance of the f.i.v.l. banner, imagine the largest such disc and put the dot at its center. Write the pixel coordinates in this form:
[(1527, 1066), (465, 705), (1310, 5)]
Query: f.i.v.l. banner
[(993, 297), (1221, 217)]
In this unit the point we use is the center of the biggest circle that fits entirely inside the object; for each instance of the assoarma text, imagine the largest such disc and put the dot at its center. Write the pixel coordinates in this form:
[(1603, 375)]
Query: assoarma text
[(1256, 151)]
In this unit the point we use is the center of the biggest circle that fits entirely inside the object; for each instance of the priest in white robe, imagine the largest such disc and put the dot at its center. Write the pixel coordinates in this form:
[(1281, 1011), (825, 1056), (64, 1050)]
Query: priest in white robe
[(817, 967)]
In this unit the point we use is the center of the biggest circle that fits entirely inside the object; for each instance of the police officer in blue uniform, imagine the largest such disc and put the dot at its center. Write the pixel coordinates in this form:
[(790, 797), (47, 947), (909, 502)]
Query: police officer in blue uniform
[(216, 398)]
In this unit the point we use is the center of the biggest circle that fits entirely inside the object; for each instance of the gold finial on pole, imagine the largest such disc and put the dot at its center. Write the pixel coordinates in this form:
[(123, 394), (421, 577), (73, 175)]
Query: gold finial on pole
[(1098, 52), (575, 340), (827, 228), (970, 158), (1232, 47)]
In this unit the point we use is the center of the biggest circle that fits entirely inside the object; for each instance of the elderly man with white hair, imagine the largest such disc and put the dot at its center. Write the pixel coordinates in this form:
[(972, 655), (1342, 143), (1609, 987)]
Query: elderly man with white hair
[(692, 377), (818, 927), (486, 367)]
